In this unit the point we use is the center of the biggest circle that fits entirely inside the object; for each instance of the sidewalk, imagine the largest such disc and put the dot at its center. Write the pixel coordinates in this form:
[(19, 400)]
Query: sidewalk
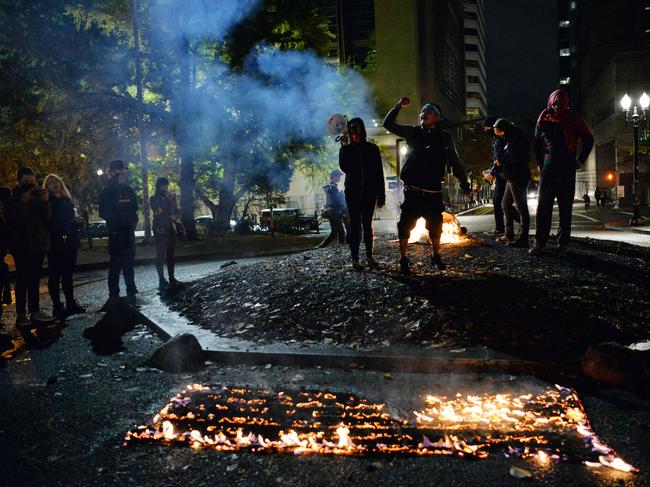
[(228, 247), (618, 219)]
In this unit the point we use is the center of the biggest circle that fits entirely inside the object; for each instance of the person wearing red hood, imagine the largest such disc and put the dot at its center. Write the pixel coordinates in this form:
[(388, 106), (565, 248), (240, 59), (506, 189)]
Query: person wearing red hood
[(559, 134)]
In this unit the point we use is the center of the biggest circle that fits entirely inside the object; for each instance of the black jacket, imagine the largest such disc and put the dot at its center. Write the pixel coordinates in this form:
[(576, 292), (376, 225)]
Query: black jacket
[(163, 208), (119, 207), (551, 148), (430, 151), (514, 156), (364, 171), (28, 221), (64, 230), (497, 146)]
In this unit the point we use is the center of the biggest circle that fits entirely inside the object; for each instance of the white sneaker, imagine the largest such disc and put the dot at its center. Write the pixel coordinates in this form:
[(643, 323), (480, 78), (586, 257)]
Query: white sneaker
[(39, 317)]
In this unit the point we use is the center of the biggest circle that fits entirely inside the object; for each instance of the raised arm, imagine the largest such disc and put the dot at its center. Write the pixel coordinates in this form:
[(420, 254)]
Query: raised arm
[(391, 125)]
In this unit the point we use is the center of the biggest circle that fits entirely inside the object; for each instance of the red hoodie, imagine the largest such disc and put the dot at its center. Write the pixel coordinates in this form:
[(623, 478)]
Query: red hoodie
[(573, 126)]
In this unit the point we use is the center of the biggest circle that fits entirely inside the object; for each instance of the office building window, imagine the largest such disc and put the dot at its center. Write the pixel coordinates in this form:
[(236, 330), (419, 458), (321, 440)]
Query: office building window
[(473, 79), (565, 81), (471, 16), (471, 47), (472, 63), (565, 23), (471, 32), (565, 51)]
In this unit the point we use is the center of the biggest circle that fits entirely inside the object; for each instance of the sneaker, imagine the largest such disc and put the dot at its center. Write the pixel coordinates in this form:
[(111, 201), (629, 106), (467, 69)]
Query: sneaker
[(497, 233), (437, 263), (163, 284), (358, 266), (372, 262), (130, 299), (175, 282), (404, 266), (505, 239), (38, 317), (74, 309), (536, 251), (520, 243), (23, 322)]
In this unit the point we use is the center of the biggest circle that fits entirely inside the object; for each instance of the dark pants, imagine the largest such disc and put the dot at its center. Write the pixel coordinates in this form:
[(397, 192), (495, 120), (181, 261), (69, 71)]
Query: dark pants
[(360, 212), (4, 281), (60, 265), (516, 193), (417, 205), (28, 276), (121, 248), (165, 248), (337, 231), (553, 187), (497, 199)]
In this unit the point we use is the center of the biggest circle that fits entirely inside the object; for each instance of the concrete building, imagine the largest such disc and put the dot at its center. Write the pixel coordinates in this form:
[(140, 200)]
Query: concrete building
[(608, 55), (475, 72)]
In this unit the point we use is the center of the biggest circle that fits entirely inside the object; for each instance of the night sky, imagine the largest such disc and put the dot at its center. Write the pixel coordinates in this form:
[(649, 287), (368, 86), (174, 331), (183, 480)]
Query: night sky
[(521, 55)]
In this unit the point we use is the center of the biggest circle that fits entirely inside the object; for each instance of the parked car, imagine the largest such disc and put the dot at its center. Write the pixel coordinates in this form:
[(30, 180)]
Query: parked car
[(204, 224), (288, 219), (96, 229)]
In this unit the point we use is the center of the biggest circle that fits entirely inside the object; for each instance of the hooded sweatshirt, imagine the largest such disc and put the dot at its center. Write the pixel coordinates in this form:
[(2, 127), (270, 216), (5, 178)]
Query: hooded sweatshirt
[(364, 171), (557, 134), (28, 221), (513, 155)]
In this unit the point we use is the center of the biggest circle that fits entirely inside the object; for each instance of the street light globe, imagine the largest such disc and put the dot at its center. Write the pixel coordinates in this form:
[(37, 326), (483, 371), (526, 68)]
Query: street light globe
[(626, 102), (403, 150), (100, 172), (644, 101)]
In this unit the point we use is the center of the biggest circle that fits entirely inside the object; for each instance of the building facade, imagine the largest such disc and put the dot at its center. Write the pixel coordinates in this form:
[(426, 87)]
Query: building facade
[(475, 71)]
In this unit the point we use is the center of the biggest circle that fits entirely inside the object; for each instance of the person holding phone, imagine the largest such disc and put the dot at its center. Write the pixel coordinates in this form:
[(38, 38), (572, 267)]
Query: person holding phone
[(28, 212)]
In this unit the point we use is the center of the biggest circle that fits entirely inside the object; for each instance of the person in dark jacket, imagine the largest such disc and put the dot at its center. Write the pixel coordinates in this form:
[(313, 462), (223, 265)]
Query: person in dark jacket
[(165, 218), (587, 201), (495, 173), (360, 160), (28, 212), (5, 290), (557, 135), (597, 197), (335, 210), (513, 157), (64, 244), (119, 207), (431, 150)]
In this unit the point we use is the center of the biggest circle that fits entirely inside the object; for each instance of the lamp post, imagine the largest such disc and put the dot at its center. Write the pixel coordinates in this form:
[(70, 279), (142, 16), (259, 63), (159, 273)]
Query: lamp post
[(637, 120)]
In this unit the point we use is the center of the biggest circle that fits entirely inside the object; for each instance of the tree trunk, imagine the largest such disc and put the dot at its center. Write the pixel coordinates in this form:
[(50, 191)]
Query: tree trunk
[(226, 201), (144, 161)]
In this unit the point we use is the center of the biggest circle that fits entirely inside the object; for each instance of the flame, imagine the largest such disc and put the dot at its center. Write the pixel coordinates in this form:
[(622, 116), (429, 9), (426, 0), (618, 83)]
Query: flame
[(543, 427), (450, 230)]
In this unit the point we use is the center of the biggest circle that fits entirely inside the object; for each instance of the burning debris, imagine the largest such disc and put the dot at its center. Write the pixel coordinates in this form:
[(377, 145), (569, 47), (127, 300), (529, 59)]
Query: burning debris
[(544, 427), (452, 232)]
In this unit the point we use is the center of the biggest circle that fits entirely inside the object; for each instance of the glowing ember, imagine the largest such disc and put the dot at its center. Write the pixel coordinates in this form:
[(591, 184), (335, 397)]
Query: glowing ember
[(450, 231), (545, 427)]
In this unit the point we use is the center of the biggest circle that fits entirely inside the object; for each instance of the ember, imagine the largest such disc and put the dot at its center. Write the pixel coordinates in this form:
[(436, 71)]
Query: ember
[(545, 427), (451, 232)]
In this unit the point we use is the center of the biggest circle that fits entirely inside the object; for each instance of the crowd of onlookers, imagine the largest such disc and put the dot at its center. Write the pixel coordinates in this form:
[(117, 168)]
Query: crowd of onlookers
[(39, 219)]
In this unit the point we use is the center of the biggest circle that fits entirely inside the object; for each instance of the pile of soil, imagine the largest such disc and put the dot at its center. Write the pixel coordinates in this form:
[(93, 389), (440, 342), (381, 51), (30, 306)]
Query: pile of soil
[(551, 307)]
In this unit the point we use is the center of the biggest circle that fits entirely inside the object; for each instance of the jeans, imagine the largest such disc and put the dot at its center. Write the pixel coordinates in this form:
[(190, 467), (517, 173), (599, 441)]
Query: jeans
[(497, 199), (28, 276), (517, 193), (60, 266), (165, 248), (551, 187), (121, 248), (361, 213)]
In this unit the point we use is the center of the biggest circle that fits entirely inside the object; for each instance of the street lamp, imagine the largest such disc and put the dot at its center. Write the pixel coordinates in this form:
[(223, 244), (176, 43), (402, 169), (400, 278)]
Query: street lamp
[(637, 120)]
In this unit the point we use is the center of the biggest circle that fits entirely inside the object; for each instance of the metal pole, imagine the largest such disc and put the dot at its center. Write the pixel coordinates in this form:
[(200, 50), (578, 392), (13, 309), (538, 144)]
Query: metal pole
[(636, 217)]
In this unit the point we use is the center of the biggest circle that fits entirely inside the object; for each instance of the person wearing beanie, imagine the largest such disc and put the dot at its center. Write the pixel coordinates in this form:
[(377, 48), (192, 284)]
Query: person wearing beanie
[(335, 210), (119, 207), (365, 190), (558, 133), (431, 150), (513, 157)]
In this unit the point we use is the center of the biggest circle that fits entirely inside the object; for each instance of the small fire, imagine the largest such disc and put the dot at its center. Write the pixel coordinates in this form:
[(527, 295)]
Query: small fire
[(451, 232), (545, 427)]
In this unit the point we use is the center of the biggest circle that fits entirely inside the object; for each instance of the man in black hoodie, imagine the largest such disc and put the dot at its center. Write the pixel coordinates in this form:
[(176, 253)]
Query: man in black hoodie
[(119, 207), (430, 151), (360, 160), (513, 158)]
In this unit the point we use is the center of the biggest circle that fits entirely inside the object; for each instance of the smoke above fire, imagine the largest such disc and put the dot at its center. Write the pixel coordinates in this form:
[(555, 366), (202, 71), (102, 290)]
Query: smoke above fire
[(278, 98)]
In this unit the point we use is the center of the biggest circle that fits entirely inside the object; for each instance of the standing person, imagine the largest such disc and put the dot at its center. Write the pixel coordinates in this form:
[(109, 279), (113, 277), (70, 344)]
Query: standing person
[(587, 201), (495, 173), (5, 292), (431, 150), (360, 160), (597, 197), (165, 218), (603, 197), (64, 244), (557, 134), (119, 207), (28, 212), (513, 156), (335, 209)]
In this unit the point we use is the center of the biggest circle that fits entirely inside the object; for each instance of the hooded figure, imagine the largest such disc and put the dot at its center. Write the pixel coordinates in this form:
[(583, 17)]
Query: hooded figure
[(513, 158), (431, 151), (559, 134), (360, 160)]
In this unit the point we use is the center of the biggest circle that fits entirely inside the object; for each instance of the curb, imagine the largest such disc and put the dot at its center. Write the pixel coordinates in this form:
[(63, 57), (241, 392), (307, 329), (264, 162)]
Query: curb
[(627, 229)]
